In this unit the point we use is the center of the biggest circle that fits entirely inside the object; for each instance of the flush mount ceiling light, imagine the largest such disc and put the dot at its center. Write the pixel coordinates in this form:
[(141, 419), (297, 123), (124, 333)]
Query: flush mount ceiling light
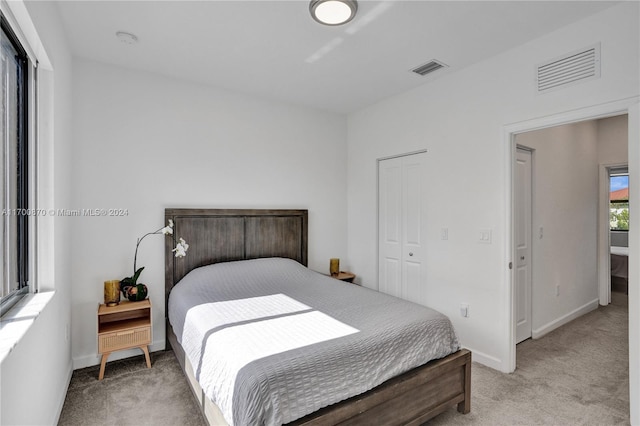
[(333, 12)]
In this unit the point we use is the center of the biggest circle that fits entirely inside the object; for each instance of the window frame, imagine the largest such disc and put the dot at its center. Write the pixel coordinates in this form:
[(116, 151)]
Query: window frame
[(22, 188), (615, 173)]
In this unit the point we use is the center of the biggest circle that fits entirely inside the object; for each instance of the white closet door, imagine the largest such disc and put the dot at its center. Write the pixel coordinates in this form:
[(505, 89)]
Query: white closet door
[(401, 243), (390, 226), (413, 256)]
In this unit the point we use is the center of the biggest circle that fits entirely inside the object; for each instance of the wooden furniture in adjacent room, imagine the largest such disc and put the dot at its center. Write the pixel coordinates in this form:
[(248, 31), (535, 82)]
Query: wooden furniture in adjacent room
[(124, 326), (221, 235)]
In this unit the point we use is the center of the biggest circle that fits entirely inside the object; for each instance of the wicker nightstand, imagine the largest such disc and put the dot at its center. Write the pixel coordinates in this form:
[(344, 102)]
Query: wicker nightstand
[(125, 326)]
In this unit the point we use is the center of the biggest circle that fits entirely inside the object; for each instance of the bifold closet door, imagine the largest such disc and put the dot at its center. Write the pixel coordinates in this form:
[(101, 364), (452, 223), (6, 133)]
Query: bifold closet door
[(401, 230)]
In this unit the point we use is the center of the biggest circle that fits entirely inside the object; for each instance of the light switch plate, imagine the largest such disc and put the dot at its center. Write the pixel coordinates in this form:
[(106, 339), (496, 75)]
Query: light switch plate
[(484, 236)]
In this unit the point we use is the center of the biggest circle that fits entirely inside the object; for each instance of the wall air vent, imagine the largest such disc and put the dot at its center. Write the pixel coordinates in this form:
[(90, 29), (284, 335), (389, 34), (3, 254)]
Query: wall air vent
[(429, 67), (575, 67)]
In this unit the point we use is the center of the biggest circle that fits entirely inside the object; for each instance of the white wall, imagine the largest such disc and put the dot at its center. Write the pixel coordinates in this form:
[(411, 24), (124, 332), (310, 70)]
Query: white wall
[(565, 206), (460, 121), (143, 142), (35, 375)]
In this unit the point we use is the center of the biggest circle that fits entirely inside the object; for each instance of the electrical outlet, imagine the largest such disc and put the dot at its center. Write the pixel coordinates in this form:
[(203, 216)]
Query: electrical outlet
[(444, 233), (464, 310)]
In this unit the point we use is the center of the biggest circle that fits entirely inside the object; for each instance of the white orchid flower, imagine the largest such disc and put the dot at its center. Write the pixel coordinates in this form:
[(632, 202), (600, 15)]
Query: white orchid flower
[(181, 248), (168, 230)]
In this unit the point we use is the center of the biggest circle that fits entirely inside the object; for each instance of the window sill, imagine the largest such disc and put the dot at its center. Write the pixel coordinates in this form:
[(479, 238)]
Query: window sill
[(15, 323)]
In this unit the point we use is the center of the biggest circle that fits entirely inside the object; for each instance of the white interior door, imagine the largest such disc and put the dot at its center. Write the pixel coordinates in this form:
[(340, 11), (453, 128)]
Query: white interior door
[(401, 233), (522, 196), (390, 226)]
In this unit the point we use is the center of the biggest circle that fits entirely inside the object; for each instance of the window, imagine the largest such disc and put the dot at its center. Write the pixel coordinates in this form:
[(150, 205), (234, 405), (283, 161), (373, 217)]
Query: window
[(619, 201), (14, 170)]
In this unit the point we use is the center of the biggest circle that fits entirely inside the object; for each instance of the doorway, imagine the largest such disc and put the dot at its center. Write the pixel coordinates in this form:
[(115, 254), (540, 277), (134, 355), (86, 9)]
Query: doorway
[(614, 228), (562, 234), (631, 107)]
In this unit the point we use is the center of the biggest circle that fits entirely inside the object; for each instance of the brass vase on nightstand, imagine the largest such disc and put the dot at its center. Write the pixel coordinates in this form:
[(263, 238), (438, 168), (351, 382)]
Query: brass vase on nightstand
[(112, 292), (334, 267)]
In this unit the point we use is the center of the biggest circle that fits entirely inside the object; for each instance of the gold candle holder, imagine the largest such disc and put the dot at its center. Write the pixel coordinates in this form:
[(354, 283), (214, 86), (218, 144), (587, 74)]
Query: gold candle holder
[(112, 292), (334, 267)]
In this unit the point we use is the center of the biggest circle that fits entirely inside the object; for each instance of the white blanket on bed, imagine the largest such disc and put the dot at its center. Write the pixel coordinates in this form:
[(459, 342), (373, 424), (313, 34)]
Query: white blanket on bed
[(271, 341)]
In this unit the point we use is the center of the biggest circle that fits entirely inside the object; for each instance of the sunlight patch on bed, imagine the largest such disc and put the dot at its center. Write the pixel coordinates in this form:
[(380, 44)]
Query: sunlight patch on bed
[(260, 339), (256, 340), (239, 332), (229, 312)]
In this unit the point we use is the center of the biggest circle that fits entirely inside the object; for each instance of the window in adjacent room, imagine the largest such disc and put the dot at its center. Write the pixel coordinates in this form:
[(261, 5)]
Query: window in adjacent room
[(619, 201), (13, 176)]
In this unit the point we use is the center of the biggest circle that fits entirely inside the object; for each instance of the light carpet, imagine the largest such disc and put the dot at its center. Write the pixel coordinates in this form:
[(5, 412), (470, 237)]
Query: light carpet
[(575, 375)]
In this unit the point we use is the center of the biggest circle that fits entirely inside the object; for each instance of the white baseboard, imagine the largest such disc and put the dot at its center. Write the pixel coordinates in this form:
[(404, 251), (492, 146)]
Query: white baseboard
[(63, 395), (94, 359), (549, 327), (484, 359)]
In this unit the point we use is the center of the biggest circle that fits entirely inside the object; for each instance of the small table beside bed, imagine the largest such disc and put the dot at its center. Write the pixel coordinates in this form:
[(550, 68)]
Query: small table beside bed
[(263, 340)]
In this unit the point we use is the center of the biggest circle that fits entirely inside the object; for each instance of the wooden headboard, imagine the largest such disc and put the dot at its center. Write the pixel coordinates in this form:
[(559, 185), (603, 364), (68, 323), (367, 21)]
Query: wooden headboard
[(223, 235)]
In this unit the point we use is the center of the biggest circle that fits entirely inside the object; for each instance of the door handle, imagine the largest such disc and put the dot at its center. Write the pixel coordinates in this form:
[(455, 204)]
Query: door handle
[(410, 253), (521, 257)]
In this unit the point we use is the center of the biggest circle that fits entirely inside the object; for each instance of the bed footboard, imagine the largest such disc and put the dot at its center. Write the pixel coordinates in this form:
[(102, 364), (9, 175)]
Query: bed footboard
[(409, 399)]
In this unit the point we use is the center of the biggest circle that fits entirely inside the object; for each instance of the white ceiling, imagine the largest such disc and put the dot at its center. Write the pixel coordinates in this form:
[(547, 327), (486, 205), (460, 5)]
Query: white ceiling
[(275, 50)]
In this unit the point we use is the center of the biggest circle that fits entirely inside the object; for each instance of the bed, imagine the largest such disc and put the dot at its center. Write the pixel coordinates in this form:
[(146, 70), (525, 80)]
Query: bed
[(620, 268), (241, 363)]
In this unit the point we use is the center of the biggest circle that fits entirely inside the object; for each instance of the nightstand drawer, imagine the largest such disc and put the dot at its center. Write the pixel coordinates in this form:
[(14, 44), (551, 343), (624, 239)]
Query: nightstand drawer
[(110, 342)]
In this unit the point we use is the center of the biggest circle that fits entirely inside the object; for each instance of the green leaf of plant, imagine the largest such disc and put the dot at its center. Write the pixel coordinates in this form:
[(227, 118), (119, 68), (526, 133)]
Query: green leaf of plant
[(136, 275)]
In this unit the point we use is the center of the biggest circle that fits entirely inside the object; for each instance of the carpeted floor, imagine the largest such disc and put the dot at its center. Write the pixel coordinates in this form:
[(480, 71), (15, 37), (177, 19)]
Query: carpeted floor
[(132, 394), (575, 375)]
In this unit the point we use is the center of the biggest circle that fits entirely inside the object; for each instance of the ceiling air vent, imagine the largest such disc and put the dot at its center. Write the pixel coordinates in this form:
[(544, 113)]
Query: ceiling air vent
[(575, 67), (429, 67)]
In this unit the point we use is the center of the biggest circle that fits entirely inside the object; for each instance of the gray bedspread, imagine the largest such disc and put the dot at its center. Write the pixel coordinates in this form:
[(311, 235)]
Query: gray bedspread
[(272, 341)]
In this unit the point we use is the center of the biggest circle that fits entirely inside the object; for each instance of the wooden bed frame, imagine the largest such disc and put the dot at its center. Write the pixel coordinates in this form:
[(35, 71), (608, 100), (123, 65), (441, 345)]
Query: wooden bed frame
[(222, 235)]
